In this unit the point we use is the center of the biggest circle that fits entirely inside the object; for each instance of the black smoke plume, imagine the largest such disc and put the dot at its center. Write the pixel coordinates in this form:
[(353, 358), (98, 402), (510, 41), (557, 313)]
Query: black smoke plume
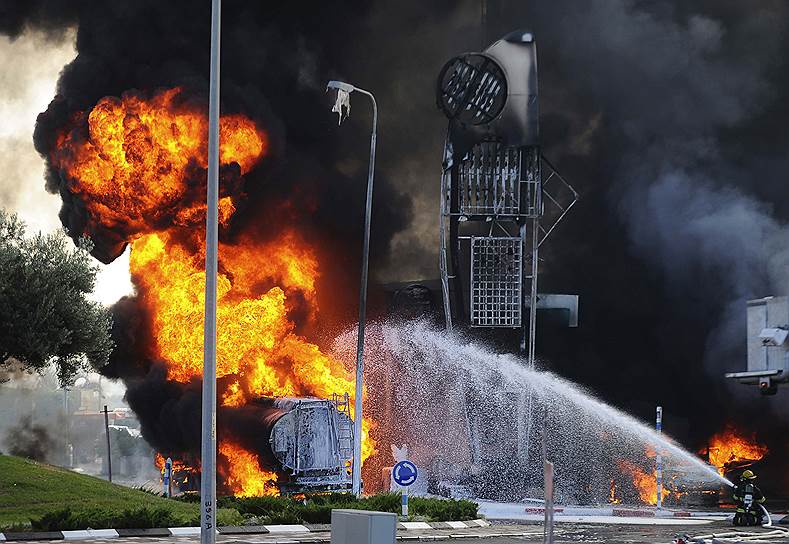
[(668, 116), (30, 440), (275, 65)]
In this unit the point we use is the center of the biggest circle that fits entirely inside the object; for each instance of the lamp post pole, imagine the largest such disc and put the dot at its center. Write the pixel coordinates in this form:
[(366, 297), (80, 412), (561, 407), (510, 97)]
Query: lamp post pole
[(357, 421), (208, 450)]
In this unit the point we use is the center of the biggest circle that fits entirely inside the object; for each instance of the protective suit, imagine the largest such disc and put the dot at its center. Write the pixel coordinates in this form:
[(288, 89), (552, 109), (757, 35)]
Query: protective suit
[(748, 498)]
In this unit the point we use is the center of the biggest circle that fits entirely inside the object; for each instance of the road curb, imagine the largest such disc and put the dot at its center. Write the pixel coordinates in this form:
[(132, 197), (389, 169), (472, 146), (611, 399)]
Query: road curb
[(88, 534)]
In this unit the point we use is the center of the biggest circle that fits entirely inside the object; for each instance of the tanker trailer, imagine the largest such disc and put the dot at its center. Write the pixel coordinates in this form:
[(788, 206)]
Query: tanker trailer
[(313, 443)]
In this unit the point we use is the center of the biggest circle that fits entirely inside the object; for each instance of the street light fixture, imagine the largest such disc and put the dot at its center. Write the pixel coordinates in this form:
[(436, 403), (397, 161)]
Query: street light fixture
[(343, 107), (208, 438)]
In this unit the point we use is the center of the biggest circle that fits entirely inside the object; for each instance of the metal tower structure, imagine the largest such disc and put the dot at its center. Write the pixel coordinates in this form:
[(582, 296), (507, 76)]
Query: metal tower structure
[(500, 197)]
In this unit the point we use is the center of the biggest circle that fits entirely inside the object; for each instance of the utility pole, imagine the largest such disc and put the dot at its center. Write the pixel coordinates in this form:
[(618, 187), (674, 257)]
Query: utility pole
[(208, 450), (109, 450), (67, 417)]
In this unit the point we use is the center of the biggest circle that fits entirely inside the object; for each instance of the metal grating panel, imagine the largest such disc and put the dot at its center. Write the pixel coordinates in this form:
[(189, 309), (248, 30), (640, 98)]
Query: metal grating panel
[(489, 180), (496, 274)]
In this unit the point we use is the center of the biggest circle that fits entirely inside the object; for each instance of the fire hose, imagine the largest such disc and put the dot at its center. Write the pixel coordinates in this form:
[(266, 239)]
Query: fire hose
[(739, 536), (766, 513)]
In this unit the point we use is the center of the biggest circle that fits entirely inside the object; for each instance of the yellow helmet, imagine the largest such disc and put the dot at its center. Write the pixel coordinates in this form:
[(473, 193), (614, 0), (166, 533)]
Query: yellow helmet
[(748, 475)]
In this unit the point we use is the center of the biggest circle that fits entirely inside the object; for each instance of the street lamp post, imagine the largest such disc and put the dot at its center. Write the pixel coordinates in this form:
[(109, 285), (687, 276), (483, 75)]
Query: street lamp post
[(343, 92), (208, 447)]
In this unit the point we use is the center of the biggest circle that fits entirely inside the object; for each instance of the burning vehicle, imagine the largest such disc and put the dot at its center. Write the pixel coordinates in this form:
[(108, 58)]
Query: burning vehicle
[(132, 174), (729, 452), (313, 440)]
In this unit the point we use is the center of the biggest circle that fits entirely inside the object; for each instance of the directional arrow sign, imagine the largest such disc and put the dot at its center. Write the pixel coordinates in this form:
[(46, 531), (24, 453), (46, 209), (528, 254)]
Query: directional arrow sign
[(404, 473)]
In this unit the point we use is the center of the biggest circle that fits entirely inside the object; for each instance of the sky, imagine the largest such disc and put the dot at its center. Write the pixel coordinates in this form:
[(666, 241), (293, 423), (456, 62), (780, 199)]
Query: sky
[(25, 90)]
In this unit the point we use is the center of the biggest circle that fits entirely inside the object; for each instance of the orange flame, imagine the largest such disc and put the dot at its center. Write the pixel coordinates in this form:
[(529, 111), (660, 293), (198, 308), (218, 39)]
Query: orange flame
[(245, 476), (139, 164), (644, 482), (178, 466), (731, 446), (612, 498), (255, 337)]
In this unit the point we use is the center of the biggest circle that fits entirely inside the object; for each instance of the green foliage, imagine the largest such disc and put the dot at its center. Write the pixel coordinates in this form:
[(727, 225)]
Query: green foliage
[(224, 518), (194, 498), (384, 502), (141, 517), (443, 510), (34, 494), (30, 490), (144, 489), (317, 508), (45, 313), (316, 513), (255, 506)]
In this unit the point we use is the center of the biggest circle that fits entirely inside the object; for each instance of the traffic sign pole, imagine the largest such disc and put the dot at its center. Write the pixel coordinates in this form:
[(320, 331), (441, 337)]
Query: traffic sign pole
[(404, 475)]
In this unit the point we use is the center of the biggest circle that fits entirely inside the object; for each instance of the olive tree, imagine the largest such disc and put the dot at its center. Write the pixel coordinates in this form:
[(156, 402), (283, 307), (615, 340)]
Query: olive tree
[(45, 314)]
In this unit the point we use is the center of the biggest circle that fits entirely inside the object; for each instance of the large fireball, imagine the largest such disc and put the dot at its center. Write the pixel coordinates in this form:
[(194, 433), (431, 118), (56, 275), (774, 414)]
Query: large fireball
[(139, 165)]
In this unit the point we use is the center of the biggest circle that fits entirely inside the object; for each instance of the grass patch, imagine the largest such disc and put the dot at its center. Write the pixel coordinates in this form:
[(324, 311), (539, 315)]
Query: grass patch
[(38, 495)]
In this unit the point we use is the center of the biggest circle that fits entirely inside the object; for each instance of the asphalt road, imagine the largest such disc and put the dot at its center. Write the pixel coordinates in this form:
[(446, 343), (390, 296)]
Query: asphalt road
[(496, 534)]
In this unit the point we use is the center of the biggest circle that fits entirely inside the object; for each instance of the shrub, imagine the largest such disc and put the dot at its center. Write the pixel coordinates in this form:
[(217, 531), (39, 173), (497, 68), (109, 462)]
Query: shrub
[(256, 506), (192, 497), (317, 513), (145, 518), (58, 520), (317, 508), (98, 518), (442, 509), (224, 518), (383, 502), (288, 516), (339, 500)]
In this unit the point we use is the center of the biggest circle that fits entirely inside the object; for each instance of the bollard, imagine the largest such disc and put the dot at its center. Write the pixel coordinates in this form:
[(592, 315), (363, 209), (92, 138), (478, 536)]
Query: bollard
[(659, 459), (167, 479)]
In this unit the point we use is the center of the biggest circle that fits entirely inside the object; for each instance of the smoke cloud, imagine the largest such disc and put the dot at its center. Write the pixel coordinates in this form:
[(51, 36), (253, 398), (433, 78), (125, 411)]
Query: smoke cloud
[(30, 440), (667, 116), (662, 104)]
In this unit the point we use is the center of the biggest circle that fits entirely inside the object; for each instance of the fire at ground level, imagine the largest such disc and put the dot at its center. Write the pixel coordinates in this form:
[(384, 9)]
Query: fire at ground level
[(470, 445), (474, 431), (310, 439)]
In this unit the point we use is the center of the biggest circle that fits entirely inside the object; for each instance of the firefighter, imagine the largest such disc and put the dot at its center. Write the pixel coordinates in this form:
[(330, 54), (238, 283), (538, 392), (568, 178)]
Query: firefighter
[(748, 498)]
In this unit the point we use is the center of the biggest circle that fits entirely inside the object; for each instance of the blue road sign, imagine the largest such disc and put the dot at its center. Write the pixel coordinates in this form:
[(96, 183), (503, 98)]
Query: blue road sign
[(404, 473)]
